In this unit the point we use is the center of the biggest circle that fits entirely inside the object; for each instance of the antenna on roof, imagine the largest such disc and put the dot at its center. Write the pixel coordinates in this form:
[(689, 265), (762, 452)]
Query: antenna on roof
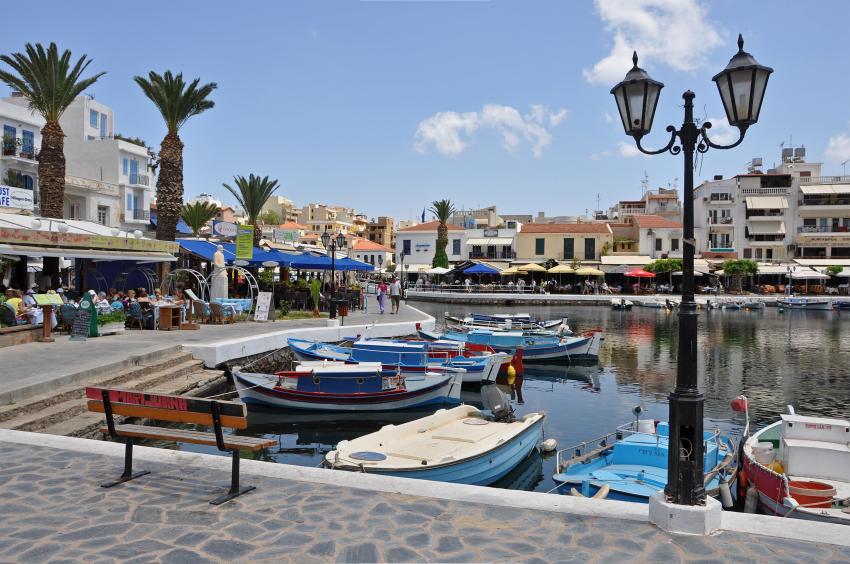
[(644, 184)]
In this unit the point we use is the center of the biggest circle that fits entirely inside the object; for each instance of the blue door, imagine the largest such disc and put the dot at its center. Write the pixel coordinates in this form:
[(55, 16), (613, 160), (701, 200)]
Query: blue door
[(28, 144), (134, 171), (9, 134)]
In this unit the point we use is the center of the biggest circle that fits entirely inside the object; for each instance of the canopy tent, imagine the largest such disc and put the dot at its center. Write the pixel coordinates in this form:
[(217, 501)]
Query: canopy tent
[(639, 273), (808, 275), (204, 249), (312, 262), (260, 256), (561, 269), (531, 267), (479, 268), (437, 270), (511, 271), (182, 227), (589, 271)]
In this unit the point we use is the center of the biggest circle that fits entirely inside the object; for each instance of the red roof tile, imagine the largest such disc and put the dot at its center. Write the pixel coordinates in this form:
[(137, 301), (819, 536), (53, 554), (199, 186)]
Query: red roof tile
[(655, 222)]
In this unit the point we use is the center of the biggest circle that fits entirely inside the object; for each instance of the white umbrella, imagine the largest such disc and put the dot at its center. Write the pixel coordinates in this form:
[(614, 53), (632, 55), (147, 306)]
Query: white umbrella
[(844, 274), (437, 270), (808, 275)]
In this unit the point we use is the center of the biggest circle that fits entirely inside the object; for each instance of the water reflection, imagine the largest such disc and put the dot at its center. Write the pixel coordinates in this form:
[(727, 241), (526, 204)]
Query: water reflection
[(774, 358)]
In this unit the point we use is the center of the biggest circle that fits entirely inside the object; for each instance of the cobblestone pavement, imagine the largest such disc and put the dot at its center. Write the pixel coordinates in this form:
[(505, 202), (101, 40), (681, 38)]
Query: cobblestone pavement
[(54, 510)]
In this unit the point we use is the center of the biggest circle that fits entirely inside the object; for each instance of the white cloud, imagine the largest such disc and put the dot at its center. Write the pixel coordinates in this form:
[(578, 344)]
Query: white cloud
[(721, 132), (609, 118), (450, 133), (676, 33), (838, 148), (628, 150)]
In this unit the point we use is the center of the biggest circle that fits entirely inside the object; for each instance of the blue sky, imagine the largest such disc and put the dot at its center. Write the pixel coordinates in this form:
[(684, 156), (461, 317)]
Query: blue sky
[(387, 105)]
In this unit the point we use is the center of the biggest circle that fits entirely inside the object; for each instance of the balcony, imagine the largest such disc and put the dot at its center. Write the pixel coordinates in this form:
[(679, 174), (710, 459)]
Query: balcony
[(139, 180), (142, 216), (722, 221), (781, 191), (499, 255), (824, 179), (28, 155), (811, 229)]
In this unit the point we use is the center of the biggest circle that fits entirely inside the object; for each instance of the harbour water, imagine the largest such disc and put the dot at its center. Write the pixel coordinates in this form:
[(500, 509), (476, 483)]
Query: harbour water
[(774, 358)]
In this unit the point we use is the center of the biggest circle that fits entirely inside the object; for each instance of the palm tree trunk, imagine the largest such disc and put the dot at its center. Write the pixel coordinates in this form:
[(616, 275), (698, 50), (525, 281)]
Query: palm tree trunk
[(169, 187), (258, 234), (51, 185)]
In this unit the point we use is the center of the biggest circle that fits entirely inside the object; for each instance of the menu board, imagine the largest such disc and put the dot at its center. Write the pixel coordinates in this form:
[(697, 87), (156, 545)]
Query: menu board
[(47, 299), (245, 242), (82, 323), (264, 301)]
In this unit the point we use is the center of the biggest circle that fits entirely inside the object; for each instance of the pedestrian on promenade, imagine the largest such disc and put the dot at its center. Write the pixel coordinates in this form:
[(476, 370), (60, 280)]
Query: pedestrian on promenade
[(382, 296), (395, 295)]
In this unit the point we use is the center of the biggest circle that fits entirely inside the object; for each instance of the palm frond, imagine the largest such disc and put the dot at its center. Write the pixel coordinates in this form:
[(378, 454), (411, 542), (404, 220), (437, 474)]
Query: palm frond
[(252, 193), (46, 79), (176, 100), (442, 209), (198, 214)]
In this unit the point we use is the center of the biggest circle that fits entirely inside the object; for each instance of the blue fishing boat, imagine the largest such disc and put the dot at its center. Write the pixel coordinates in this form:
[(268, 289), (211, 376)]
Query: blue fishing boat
[(535, 347), (517, 321), (405, 356), (631, 464), (458, 445), (337, 386)]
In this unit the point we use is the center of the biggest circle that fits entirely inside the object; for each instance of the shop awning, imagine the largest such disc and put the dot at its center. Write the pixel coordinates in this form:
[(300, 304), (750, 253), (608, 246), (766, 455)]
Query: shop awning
[(636, 260), (767, 202), (823, 261), (824, 189), (490, 241), (481, 269), (182, 228), (96, 255), (766, 228)]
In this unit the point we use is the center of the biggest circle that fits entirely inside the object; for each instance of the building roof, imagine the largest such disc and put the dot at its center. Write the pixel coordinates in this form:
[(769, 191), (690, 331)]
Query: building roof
[(566, 228), (431, 226), (655, 222), (361, 244), (291, 225)]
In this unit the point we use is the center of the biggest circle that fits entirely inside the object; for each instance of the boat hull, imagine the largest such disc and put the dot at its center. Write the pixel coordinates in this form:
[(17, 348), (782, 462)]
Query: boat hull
[(805, 304), (422, 390)]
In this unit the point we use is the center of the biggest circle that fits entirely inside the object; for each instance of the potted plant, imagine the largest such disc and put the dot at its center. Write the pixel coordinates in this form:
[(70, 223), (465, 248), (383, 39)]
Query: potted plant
[(316, 294), (111, 323), (10, 144)]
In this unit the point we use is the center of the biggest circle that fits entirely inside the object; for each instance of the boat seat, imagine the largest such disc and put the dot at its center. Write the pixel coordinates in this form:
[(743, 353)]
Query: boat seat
[(605, 475), (816, 459)]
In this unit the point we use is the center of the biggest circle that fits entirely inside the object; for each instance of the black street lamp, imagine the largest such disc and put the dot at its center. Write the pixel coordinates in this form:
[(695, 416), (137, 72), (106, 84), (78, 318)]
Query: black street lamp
[(331, 244), (742, 86)]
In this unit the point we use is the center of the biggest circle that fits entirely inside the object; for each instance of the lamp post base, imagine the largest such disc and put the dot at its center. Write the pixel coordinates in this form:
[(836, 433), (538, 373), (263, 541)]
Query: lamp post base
[(685, 519)]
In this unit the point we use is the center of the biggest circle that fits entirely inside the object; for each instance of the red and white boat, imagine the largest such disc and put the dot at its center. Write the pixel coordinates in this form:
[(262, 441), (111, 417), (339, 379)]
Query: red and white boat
[(800, 466)]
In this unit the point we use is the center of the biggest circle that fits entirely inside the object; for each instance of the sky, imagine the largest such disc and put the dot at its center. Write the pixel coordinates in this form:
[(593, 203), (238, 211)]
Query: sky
[(387, 105)]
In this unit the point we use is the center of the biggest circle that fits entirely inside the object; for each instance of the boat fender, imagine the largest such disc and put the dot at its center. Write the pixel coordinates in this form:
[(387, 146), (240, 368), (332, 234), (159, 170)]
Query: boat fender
[(752, 502), (742, 484), (575, 493), (511, 375), (549, 445), (726, 495), (603, 492)]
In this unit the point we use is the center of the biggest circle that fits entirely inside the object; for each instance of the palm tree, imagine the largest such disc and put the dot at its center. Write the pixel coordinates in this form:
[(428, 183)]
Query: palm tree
[(442, 209), (177, 101), (49, 83), (252, 193), (197, 215)]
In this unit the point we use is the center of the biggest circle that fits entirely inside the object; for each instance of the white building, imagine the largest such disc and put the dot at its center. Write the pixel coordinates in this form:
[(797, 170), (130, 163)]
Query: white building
[(108, 179), (491, 243), (657, 237), (416, 245), (370, 252), (18, 168)]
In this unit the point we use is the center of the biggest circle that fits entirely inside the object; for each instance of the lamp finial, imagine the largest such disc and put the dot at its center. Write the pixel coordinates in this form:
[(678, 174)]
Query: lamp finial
[(635, 57), (740, 42)]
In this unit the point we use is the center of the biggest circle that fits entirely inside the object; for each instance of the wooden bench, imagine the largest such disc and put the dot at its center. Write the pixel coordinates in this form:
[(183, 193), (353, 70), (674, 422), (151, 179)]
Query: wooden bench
[(176, 409)]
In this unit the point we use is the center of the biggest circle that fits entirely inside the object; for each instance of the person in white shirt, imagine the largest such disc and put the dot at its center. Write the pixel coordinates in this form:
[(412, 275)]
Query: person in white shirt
[(395, 295)]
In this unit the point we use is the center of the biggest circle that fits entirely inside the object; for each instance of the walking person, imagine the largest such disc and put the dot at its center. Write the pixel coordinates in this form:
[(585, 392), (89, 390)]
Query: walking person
[(395, 295), (382, 296)]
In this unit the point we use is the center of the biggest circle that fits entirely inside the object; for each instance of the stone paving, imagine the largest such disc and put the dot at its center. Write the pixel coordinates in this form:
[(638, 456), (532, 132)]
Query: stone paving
[(53, 510)]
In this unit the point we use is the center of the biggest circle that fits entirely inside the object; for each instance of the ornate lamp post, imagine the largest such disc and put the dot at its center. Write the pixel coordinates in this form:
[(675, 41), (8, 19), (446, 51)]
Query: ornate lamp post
[(332, 243), (741, 86)]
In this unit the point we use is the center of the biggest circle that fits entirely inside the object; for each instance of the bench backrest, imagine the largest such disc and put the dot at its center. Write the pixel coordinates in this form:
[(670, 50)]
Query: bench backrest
[(165, 407)]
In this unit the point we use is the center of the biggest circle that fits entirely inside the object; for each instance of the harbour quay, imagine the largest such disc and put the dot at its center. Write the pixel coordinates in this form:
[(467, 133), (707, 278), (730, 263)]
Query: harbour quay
[(54, 509)]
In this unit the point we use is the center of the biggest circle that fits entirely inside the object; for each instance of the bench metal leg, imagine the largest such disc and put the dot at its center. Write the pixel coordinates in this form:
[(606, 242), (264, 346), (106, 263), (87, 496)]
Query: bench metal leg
[(235, 489), (128, 466)]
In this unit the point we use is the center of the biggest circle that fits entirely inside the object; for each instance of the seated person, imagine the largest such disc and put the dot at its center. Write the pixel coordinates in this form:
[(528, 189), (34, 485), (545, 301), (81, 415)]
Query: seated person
[(157, 295), (101, 303), (15, 302)]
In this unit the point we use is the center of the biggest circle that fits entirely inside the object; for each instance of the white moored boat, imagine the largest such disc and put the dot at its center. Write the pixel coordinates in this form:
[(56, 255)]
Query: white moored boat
[(805, 303), (456, 445)]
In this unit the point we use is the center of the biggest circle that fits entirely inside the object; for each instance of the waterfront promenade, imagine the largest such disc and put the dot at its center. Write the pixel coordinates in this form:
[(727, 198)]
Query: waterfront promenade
[(35, 368), (55, 510), (528, 298)]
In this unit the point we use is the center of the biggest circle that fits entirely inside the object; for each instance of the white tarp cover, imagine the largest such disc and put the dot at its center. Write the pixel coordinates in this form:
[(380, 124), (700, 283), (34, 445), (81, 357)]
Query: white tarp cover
[(767, 228), (767, 202)]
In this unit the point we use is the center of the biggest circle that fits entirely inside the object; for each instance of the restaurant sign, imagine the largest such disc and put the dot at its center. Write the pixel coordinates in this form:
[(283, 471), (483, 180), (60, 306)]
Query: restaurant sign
[(284, 236), (224, 228), (245, 242), (491, 232), (19, 198), (826, 239), (84, 240)]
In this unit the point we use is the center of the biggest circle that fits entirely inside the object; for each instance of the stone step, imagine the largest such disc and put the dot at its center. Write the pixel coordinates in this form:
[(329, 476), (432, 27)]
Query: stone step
[(76, 390)]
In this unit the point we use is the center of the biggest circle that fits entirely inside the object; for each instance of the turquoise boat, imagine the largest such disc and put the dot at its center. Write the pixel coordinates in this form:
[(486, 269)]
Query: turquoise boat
[(631, 464)]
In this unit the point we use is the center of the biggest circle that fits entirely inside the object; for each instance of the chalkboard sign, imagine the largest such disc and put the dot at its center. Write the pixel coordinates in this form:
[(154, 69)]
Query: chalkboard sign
[(48, 299), (264, 301), (82, 323)]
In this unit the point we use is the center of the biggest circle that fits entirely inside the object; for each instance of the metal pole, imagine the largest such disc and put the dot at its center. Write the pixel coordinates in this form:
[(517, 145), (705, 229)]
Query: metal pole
[(332, 307), (685, 466)]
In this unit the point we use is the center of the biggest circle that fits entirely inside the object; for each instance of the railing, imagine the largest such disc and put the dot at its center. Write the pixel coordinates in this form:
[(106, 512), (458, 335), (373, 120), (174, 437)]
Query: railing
[(478, 288), (28, 154), (632, 211), (823, 229), (141, 214), (766, 191), (824, 201), (720, 221), (502, 255), (824, 179), (139, 179)]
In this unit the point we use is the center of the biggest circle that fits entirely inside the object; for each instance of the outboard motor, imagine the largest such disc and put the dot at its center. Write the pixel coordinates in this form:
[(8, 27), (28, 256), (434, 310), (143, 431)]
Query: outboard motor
[(496, 402)]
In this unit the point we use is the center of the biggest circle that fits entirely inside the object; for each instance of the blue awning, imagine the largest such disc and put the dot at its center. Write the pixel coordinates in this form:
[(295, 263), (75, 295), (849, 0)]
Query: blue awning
[(182, 228), (481, 269), (345, 264), (204, 249), (261, 255)]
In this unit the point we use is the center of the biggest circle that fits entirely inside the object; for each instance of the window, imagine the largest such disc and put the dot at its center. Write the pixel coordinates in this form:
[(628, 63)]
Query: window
[(569, 247), (658, 243), (539, 246), (103, 126), (805, 173), (674, 244), (28, 143), (134, 172), (93, 118), (748, 253), (74, 210), (589, 249), (129, 201), (102, 215), (455, 246), (405, 246), (125, 167), (380, 259), (9, 134)]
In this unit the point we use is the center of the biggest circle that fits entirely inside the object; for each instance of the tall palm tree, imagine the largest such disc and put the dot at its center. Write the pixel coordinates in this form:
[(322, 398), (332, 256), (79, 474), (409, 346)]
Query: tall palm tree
[(252, 193), (177, 101), (49, 82), (197, 215), (442, 209)]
